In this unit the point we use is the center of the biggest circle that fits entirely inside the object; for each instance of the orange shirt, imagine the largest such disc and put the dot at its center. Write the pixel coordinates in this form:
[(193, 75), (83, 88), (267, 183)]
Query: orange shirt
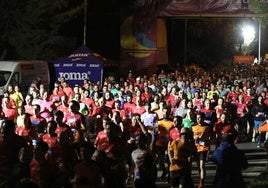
[(164, 126), (181, 152), (202, 137)]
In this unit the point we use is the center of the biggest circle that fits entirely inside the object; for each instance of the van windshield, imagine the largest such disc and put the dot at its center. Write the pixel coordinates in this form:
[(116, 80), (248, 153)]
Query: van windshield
[(4, 76)]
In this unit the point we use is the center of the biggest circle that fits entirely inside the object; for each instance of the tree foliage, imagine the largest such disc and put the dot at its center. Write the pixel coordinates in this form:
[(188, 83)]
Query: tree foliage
[(30, 29), (260, 8)]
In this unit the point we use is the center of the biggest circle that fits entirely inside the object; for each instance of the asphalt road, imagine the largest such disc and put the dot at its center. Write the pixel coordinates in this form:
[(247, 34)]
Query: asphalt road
[(257, 159)]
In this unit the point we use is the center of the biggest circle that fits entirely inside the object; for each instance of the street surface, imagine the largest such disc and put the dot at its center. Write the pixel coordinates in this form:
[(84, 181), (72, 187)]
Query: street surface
[(257, 160)]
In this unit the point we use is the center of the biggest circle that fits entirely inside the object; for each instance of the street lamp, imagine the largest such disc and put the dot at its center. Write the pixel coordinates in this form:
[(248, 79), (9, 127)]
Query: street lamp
[(248, 33)]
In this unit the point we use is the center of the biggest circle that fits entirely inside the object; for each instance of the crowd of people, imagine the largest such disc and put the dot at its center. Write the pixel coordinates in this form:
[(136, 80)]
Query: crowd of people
[(124, 130)]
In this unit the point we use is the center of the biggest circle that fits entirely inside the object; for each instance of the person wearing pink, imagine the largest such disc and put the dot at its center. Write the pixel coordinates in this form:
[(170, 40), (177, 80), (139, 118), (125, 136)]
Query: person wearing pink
[(29, 109), (64, 105), (232, 95), (174, 133), (42, 170), (75, 120), (37, 121), (146, 94), (243, 126), (50, 137), (122, 112), (109, 101), (8, 107), (138, 95), (45, 103), (87, 173), (173, 98), (88, 101), (101, 110), (209, 113), (10, 145), (128, 106), (62, 127), (64, 156), (101, 141), (67, 89), (218, 127), (220, 108), (139, 108), (138, 83), (24, 127), (247, 96), (55, 96)]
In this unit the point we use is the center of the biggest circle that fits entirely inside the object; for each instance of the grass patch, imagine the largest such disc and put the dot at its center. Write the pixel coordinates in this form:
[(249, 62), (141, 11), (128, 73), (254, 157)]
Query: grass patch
[(261, 182)]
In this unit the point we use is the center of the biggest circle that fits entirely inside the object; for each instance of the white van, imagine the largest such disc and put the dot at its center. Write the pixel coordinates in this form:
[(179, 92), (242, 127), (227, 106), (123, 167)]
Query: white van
[(23, 73)]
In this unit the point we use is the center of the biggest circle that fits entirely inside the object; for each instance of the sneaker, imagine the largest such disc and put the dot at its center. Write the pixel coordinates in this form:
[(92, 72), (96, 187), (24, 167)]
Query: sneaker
[(163, 176), (253, 140), (201, 184), (236, 140), (258, 145)]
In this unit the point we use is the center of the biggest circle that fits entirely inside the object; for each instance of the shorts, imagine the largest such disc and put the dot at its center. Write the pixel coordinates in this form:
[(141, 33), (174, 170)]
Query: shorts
[(178, 178), (257, 124), (202, 155)]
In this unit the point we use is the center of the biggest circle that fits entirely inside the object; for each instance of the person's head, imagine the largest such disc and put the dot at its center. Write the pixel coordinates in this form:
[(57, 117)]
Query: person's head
[(207, 103), (8, 129), (117, 104), (107, 95), (25, 155), (177, 122), (86, 93), (229, 134), (147, 107), (86, 151), (183, 102), (141, 140), (35, 94), (186, 133), (74, 106), (105, 121), (220, 101), (190, 104), (101, 101), (138, 101), (59, 116), (40, 150), (45, 95), (51, 127), (129, 98), (21, 110), (63, 138), (116, 116), (156, 98), (29, 99), (200, 118), (36, 109), (260, 99), (166, 112), (76, 88), (17, 88), (223, 117), (10, 88), (111, 131)]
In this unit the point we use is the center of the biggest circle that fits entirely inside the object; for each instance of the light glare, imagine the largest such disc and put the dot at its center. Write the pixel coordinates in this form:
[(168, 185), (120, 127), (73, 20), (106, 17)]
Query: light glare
[(248, 33)]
